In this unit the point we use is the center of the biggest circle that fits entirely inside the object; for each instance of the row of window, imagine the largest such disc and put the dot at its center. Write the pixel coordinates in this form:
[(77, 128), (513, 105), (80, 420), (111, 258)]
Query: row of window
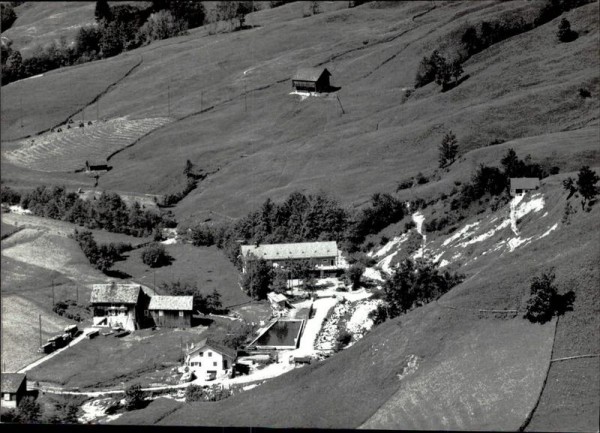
[(161, 313), (199, 364)]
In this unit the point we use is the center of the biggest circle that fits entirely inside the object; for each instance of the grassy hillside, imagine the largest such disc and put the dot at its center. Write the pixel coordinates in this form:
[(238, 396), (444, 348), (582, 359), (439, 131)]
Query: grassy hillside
[(269, 143)]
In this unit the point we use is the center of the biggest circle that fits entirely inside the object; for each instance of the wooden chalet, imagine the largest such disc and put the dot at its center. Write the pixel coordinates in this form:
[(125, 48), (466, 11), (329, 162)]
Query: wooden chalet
[(119, 305), (520, 185), (172, 311), (311, 80), (14, 388)]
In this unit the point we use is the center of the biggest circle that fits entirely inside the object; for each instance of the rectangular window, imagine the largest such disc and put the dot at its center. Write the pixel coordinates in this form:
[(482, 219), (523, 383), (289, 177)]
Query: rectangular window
[(201, 354), (215, 364), (209, 353), (161, 313), (181, 314), (225, 364), (6, 396)]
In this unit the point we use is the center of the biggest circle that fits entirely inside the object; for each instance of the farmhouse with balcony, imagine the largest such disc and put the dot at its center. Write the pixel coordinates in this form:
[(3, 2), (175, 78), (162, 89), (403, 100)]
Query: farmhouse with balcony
[(311, 80), (519, 185), (172, 311), (210, 359), (324, 255), (119, 305), (14, 388)]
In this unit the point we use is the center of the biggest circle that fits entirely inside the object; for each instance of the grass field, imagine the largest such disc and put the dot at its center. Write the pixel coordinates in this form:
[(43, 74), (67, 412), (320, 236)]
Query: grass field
[(70, 149), (109, 361), (208, 268)]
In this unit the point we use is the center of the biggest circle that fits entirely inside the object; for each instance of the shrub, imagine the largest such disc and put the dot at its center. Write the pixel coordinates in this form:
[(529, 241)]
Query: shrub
[(342, 340), (155, 255), (379, 314), (584, 93), (404, 184), (9, 196), (539, 305), (448, 149), (134, 397), (353, 275), (586, 185), (565, 34), (421, 180), (194, 393), (257, 279)]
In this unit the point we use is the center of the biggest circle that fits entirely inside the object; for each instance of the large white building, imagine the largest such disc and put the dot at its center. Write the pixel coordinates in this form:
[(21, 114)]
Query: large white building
[(324, 255)]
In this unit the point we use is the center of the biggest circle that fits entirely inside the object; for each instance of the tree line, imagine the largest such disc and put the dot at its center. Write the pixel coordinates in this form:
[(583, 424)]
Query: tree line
[(108, 212), (300, 218)]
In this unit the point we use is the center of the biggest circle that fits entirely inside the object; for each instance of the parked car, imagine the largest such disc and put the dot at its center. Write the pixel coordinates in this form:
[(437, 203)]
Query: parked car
[(211, 375)]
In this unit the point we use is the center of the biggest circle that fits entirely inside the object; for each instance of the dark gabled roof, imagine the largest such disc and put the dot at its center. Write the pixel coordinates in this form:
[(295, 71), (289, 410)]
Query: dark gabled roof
[(223, 350), (11, 382), (185, 303), (524, 182), (118, 293), (310, 74)]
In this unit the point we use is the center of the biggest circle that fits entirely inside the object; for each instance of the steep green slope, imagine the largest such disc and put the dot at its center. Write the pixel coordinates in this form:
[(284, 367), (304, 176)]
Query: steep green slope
[(268, 143)]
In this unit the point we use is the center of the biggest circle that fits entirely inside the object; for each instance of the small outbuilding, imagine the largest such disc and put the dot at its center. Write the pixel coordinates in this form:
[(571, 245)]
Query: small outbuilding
[(210, 360), (277, 300), (520, 185), (311, 80), (96, 166), (14, 388), (172, 311)]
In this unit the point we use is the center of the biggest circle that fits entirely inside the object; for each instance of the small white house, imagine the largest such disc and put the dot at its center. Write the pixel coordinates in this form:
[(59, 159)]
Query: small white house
[(207, 359)]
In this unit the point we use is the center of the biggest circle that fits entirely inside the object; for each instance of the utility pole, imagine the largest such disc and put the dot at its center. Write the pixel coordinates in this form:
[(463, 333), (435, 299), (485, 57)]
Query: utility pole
[(77, 294), (53, 303), (169, 97), (40, 320), (21, 109)]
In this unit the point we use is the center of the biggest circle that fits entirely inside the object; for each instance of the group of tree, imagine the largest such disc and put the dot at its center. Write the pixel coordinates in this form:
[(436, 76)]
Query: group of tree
[(9, 195), (7, 15), (30, 411), (544, 302), (102, 256), (119, 28), (437, 68), (411, 284), (199, 393), (108, 212), (495, 181), (585, 185), (206, 304), (233, 12)]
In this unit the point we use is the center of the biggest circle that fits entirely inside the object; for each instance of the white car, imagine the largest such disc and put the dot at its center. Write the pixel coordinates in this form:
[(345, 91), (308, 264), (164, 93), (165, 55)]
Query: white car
[(210, 376)]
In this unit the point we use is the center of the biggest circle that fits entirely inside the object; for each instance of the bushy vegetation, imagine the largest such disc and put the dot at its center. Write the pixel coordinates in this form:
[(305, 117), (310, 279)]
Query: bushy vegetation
[(134, 397), (194, 393), (413, 283), (192, 177), (9, 196), (206, 304), (119, 28), (101, 256), (585, 185), (108, 212), (155, 255), (29, 412), (437, 68), (342, 340), (544, 301), (565, 34), (7, 15), (65, 411), (233, 12), (72, 310), (354, 274)]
